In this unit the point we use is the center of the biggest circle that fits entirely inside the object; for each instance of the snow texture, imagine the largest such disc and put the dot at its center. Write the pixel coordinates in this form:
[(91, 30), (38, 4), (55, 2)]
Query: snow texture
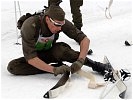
[(107, 38)]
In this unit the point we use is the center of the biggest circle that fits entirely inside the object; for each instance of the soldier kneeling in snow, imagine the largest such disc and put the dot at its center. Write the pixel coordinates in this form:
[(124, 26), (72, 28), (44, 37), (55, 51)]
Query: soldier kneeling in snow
[(39, 35)]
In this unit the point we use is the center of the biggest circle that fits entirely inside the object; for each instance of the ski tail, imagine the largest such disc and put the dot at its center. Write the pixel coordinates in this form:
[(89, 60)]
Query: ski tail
[(118, 83)]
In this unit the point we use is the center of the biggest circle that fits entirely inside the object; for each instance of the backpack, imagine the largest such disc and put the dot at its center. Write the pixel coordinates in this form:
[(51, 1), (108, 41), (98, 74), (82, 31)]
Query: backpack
[(27, 15)]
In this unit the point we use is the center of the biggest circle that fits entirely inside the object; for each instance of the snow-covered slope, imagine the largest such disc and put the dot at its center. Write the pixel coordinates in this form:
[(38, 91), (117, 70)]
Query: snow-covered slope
[(107, 38)]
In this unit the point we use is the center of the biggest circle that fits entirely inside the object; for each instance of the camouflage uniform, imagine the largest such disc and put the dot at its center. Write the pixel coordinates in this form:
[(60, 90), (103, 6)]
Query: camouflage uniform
[(39, 41), (59, 51), (75, 10)]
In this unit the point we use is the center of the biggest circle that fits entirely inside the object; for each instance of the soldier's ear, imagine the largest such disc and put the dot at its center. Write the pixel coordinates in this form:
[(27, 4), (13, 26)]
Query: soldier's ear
[(47, 18)]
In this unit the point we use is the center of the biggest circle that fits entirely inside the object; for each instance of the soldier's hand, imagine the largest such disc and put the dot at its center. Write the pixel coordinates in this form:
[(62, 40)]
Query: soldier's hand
[(77, 65), (61, 70)]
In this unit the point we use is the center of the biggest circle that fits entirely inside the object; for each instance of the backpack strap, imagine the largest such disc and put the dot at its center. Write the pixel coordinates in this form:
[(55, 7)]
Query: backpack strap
[(40, 20)]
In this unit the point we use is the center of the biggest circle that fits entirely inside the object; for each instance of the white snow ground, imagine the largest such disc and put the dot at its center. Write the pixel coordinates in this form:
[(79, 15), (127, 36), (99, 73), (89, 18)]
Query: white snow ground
[(107, 38)]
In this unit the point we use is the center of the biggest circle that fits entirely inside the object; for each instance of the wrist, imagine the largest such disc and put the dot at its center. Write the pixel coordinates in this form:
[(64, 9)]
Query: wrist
[(55, 71), (81, 60)]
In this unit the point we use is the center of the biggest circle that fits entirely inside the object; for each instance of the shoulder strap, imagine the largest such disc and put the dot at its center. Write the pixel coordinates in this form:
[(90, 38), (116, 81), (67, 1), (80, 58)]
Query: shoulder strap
[(40, 20)]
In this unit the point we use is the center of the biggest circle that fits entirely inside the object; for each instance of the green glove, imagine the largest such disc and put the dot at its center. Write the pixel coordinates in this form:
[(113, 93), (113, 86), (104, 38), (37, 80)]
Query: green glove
[(77, 65), (61, 70)]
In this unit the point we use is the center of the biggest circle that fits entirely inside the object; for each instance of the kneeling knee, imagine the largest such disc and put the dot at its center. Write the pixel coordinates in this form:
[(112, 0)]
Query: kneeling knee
[(11, 67)]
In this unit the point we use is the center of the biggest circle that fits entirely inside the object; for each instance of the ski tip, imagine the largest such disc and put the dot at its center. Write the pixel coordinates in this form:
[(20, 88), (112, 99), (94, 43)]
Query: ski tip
[(46, 95)]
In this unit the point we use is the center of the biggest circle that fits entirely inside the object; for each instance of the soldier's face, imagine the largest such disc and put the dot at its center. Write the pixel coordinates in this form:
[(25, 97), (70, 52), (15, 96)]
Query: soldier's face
[(54, 25)]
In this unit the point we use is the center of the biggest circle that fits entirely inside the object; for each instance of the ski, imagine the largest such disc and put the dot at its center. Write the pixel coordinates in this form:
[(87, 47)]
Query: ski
[(116, 79), (65, 80), (59, 87), (110, 75)]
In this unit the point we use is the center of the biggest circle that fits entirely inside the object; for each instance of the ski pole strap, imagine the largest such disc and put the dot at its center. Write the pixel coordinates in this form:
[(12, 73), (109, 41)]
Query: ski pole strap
[(92, 83)]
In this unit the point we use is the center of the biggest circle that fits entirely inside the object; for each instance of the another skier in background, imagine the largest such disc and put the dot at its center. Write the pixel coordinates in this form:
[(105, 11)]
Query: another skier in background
[(75, 10)]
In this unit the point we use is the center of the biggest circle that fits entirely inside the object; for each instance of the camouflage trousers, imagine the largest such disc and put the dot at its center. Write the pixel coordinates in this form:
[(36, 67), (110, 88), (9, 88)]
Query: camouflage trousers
[(76, 13), (58, 53)]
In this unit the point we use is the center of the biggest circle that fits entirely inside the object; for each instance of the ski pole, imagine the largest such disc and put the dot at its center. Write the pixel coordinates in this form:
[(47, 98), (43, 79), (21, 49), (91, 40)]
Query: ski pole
[(16, 22), (108, 9)]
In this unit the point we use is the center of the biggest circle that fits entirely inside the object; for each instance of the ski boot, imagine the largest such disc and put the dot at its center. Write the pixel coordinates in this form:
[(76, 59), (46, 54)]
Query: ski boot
[(97, 66)]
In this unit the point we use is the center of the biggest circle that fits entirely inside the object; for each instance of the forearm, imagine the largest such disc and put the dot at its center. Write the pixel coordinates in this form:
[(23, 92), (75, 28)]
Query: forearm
[(84, 46), (38, 63)]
